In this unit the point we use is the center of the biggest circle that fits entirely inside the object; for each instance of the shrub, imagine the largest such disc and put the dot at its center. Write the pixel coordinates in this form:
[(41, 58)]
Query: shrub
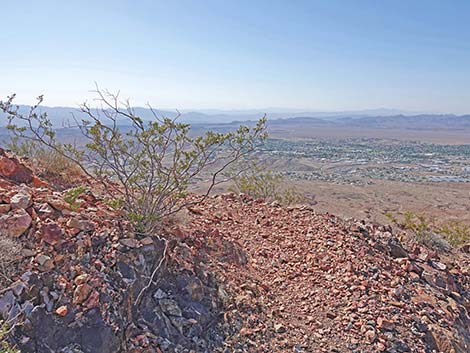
[(425, 230), (416, 223), (457, 233), (148, 165), (256, 180), (47, 162)]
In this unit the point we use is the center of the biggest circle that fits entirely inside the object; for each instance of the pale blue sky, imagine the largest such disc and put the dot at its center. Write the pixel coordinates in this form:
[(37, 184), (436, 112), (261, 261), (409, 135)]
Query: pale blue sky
[(317, 55)]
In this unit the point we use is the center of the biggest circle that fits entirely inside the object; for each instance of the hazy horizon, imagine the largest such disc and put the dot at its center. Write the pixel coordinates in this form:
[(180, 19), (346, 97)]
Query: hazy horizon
[(291, 112), (277, 110)]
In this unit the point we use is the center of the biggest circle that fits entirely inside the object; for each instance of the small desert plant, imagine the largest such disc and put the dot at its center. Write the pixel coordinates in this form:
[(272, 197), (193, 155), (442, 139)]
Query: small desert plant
[(146, 164), (5, 346), (440, 235), (115, 204), (391, 217), (256, 180), (457, 233), (71, 196), (417, 223), (290, 195)]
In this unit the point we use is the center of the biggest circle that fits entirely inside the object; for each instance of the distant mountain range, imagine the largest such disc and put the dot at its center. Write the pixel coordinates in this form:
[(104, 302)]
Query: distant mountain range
[(374, 118), (400, 122)]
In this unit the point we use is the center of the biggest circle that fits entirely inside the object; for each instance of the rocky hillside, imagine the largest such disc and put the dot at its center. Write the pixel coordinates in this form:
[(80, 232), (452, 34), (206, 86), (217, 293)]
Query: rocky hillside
[(230, 275)]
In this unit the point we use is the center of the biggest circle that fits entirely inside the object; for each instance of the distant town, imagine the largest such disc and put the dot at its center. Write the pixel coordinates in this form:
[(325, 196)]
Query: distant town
[(360, 161)]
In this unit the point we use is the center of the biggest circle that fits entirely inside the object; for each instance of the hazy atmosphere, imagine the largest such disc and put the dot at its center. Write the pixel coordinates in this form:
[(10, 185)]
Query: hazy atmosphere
[(307, 55)]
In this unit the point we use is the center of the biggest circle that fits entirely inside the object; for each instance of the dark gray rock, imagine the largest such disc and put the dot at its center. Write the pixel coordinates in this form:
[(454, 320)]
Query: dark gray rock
[(170, 307), (178, 312), (395, 248), (50, 334), (7, 301)]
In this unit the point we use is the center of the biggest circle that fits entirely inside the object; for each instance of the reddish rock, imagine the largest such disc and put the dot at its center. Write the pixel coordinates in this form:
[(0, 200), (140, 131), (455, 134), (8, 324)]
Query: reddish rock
[(280, 328), (44, 209), (51, 233), (80, 224), (330, 315), (12, 169), (15, 223), (59, 258), (146, 241), (45, 263), (28, 253), (81, 293), (93, 300), (385, 324), (58, 203), (246, 331), (415, 268), (178, 232), (62, 310), (442, 341), (277, 270), (130, 243), (381, 347), (4, 208), (38, 183)]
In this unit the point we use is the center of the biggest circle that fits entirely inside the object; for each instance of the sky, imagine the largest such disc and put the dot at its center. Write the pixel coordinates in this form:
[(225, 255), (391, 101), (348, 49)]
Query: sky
[(199, 54)]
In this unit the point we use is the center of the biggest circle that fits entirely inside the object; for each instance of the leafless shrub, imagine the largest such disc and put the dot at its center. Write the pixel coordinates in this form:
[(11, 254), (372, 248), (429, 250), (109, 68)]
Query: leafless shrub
[(9, 252)]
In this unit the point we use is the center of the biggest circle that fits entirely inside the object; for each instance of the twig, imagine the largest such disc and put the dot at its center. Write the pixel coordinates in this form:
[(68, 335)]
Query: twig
[(154, 273), (7, 323), (4, 290)]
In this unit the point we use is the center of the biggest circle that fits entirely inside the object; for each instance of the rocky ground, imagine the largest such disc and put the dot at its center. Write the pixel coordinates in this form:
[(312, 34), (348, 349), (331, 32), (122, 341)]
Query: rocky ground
[(233, 275)]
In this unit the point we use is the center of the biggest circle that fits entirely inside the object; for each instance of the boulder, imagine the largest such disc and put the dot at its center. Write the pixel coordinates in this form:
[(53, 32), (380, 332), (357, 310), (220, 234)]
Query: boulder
[(80, 224), (12, 169), (51, 233), (395, 248), (15, 223), (49, 334), (20, 200)]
